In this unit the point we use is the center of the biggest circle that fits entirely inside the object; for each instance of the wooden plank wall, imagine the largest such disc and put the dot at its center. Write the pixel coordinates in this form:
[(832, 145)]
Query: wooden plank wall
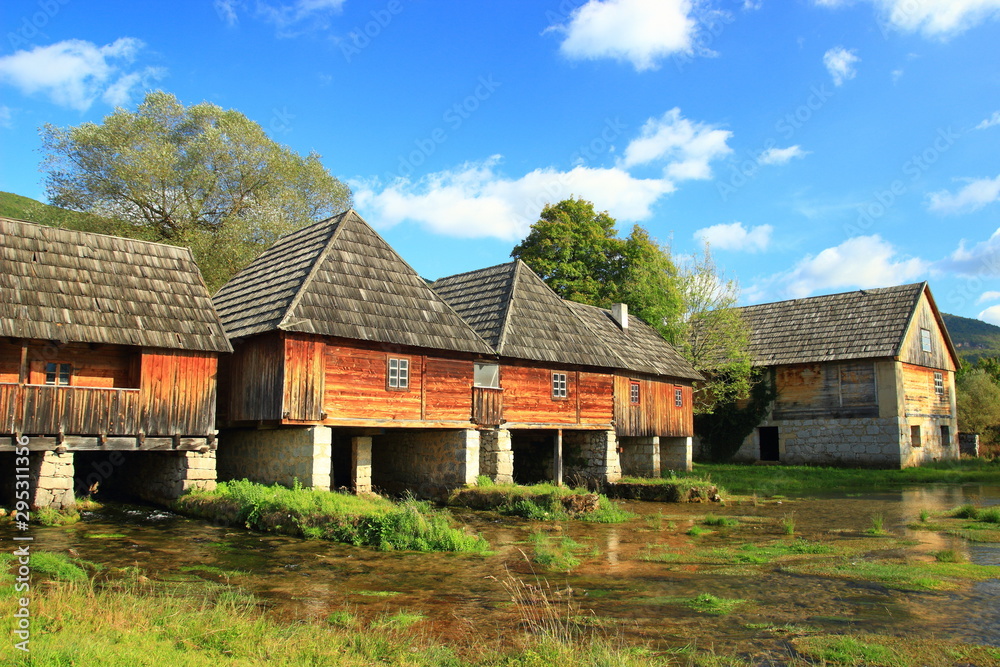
[(826, 390), (10, 361), (447, 384), (177, 393), (355, 385), (305, 357), (105, 366), (77, 411), (657, 413), (487, 406), (9, 401), (920, 397), (528, 397), (912, 352), (254, 380)]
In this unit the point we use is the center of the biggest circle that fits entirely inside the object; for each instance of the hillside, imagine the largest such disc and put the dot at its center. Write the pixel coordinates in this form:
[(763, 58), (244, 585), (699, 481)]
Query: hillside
[(973, 338), (25, 208)]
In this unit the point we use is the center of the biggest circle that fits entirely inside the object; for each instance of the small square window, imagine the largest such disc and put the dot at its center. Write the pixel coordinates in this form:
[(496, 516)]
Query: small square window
[(559, 385), (57, 374), (399, 374), (486, 375), (939, 385), (678, 397), (915, 436), (925, 340), (633, 393)]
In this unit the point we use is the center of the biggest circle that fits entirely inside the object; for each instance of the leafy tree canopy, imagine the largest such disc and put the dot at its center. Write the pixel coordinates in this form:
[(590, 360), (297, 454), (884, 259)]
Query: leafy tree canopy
[(578, 252), (199, 176)]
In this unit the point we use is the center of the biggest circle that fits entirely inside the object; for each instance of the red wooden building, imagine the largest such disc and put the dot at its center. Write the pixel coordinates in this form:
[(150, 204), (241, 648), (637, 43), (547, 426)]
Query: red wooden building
[(108, 351)]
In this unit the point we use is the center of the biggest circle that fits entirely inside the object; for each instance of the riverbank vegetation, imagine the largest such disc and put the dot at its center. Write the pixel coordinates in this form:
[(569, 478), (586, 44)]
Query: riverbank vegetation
[(341, 517), (792, 480), (539, 502)]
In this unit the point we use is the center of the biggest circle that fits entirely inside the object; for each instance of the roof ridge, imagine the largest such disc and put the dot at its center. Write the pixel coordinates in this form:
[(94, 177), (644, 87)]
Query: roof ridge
[(469, 273), (320, 256), (87, 233)]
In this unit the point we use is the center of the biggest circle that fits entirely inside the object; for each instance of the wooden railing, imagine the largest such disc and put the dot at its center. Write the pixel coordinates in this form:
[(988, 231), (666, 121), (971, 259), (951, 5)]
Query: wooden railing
[(487, 406), (45, 410)]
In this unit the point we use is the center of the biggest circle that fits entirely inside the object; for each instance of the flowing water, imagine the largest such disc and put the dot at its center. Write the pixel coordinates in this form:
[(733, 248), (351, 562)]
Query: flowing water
[(616, 586)]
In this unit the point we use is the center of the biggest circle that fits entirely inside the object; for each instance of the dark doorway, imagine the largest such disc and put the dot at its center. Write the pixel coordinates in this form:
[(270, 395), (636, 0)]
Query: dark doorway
[(533, 455), (768, 443), (340, 452)]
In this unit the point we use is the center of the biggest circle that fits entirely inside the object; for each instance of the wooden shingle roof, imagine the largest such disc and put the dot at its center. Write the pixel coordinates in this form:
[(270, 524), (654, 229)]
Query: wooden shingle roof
[(862, 324), (338, 277), (639, 347), (70, 286), (522, 318)]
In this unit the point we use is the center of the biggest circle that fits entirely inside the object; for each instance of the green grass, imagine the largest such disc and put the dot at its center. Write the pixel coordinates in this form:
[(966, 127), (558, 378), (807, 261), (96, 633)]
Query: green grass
[(760, 554), (772, 480), (720, 521), (787, 524), (557, 553), (909, 575), (408, 525), (670, 489), (852, 651), (889, 651), (877, 524), (696, 530), (540, 502), (398, 621), (706, 603)]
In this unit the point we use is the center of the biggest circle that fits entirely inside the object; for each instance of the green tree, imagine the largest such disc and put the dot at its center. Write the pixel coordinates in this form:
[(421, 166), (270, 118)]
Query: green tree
[(199, 176), (978, 398)]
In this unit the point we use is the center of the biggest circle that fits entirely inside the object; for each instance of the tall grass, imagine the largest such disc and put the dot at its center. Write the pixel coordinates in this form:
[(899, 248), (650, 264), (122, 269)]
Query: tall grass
[(541, 502), (312, 513)]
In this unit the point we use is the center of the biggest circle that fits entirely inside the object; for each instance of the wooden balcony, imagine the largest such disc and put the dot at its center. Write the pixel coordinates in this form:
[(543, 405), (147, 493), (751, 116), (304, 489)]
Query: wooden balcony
[(487, 406), (46, 410)]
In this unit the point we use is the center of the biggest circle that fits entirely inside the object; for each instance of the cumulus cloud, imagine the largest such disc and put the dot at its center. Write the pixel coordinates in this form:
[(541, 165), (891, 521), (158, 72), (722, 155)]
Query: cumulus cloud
[(687, 148), (989, 122), (841, 64), (982, 259), (991, 315), (475, 200), (933, 18), (988, 296), (75, 73), (778, 156), (860, 262), (637, 31), (735, 236), (974, 196)]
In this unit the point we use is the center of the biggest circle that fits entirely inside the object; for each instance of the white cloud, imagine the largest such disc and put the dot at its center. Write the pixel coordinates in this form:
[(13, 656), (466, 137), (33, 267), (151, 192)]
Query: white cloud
[(687, 147), (841, 63), (860, 262), (989, 122), (736, 237), (474, 200), (991, 315), (988, 296), (288, 17), (6, 116), (638, 31), (982, 259), (933, 18), (227, 10), (974, 196), (75, 73), (780, 156)]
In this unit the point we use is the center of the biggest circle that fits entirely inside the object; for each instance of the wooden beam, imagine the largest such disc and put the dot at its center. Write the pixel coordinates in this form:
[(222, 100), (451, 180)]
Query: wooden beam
[(23, 368), (86, 443), (557, 459)]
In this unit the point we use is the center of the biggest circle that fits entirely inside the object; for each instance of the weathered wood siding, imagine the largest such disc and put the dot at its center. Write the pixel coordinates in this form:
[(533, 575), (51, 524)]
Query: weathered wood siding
[(254, 380), (912, 352), (10, 361), (921, 399), (305, 358), (177, 392), (487, 406), (356, 386), (106, 366), (826, 390), (446, 388), (657, 413), (10, 397), (42, 410), (528, 397)]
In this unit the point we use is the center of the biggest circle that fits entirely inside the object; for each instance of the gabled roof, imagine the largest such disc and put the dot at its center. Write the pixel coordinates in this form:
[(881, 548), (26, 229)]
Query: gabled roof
[(338, 277), (639, 347), (522, 318), (71, 286), (862, 324)]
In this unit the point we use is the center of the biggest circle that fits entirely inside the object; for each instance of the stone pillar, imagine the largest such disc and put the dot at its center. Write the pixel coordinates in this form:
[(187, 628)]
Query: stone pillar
[(278, 455), (496, 458), (676, 454), (52, 479), (640, 456), (361, 464), (592, 455), (162, 477), (467, 454)]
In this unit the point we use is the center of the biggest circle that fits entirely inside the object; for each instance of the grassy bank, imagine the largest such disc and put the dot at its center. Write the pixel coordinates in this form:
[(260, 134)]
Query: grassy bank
[(790, 480), (671, 489), (359, 520), (539, 502)]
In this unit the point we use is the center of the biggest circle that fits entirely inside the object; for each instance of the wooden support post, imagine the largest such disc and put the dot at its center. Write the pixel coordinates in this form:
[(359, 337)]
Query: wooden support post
[(23, 372), (557, 459)]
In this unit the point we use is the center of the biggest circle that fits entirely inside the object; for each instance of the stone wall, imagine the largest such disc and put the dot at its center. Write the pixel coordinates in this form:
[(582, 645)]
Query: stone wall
[(640, 456), (162, 477), (496, 458), (677, 454), (592, 456), (277, 456), (429, 463), (864, 442), (51, 479), (932, 447)]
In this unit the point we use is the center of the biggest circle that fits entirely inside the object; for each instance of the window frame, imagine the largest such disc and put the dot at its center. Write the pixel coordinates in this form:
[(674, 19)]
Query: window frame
[(58, 370), (401, 381), (560, 386), (482, 364), (916, 438), (926, 344), (634, 393), (945, 435), (678, 397), (939, 385)]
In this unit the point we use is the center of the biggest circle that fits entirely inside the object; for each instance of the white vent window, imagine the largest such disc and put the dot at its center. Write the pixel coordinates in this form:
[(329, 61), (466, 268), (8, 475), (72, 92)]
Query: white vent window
[(487, 375), (633, 393), (925, 340), (559, 385), (399, 374)]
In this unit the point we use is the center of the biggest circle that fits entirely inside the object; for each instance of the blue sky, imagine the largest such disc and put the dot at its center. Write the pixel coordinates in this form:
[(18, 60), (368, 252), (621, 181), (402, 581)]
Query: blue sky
[(818, 145)]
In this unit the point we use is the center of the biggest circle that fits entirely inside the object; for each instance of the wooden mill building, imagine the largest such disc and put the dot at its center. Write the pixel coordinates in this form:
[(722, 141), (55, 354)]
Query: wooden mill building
[(108, 357), (611, 392), (863, 378)]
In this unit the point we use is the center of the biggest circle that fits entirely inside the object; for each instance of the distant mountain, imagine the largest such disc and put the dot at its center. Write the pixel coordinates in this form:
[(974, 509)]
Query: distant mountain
[(973, 338)]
